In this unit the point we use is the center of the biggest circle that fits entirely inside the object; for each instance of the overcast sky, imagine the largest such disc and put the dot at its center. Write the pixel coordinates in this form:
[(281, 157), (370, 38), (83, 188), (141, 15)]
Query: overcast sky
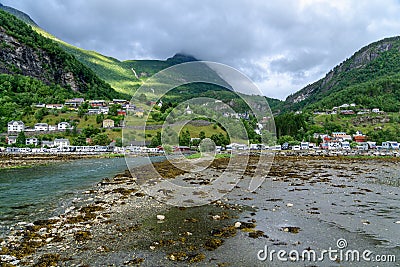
[(281, 45)]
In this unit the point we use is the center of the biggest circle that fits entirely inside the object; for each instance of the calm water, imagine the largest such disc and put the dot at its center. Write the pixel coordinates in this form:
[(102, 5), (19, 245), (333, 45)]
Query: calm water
[(39, 192)]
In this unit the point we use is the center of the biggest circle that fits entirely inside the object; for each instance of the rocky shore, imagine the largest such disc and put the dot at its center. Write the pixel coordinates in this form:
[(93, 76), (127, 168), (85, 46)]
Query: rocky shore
[(116, 224)]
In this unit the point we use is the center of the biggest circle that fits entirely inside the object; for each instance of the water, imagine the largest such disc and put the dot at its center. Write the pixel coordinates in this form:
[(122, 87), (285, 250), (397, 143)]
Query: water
[(38, 192)]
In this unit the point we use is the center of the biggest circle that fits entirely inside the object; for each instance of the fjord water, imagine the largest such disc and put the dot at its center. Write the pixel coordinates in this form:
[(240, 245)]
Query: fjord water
[(39, 192)]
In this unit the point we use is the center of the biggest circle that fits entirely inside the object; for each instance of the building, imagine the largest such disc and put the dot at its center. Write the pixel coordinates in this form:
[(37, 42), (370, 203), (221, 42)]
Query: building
[(41, 127), (61, 142), (121, 113), (347, 112), (54, 106), (139, 112), (97, 103), (94, 111), (47, 143), (108, 123), (16, 127), (342, 136), (359, 137), (31, 141), (11, 140), (62, 126), (52, 128), (188, 110), (75, 102), (122, 102), (376, 110)]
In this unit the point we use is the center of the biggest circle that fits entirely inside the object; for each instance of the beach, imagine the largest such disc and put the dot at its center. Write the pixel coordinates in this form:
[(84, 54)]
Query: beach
[(305, 203)]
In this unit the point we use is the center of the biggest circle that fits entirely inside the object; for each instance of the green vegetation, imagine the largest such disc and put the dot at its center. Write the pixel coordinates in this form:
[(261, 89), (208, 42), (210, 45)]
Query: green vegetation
[(369, 78)]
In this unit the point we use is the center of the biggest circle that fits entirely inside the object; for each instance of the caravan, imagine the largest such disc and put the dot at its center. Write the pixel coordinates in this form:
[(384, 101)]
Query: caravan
[(390, 145)]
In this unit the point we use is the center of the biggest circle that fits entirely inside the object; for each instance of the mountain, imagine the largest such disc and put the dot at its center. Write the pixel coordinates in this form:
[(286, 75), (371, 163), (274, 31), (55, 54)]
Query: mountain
[(27, 53), (370, 78), (19, 14), (127, 76)]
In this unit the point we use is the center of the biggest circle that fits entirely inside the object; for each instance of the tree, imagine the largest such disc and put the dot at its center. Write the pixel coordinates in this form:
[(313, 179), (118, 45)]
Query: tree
[(99, 118), (90, 131), (202, 135), (21, 139), (285, 139), (113, 111), (101, 139), (184, 138), (40, 113), (156, 140), (80, 140)]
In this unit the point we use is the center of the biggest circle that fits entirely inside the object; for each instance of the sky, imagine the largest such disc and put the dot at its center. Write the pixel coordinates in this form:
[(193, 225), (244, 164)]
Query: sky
[(281, 45)]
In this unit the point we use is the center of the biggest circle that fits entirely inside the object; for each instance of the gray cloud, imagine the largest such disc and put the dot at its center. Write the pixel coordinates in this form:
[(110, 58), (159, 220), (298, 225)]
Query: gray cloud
[(281, 45)]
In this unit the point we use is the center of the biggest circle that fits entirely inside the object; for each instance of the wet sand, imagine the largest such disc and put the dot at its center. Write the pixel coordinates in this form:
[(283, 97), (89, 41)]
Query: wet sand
[(305, 203)]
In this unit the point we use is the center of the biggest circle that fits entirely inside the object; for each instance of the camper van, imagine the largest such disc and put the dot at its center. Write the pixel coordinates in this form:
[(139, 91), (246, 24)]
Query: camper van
[(304, 146), (390, 145)]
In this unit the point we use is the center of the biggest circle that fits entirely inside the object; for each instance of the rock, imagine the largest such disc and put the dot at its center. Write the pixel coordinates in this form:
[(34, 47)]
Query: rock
[(160, 217), (238, 224), (216, 217)]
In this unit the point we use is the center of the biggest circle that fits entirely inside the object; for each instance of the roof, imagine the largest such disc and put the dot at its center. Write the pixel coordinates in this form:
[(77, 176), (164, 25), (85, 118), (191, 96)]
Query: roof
[(17, 122), (61, 140), (41, 124)]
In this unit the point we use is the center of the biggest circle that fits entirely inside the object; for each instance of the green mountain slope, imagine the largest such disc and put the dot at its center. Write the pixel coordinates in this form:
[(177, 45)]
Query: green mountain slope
[(369, 78), (127, 76)]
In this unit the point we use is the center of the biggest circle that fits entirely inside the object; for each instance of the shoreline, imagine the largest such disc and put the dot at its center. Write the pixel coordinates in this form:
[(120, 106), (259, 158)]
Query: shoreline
[(116, 223), (17, 161)]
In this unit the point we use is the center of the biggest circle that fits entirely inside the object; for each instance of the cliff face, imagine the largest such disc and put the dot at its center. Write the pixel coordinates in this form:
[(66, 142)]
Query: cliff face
[(19, 58)]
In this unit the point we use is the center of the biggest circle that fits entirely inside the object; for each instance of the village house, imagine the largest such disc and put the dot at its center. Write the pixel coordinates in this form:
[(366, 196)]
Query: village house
[(104, 110), (108, 123), (16, 127), (75, 102), (54, 106), (47, 143), (97, 103), (347, 112), (94, 111), (359, 137), (121, 113), (11, 140), (139, 112), (121, 102), (52, 128), (41, 127), (31, 141), (341, 136), (62, 126), (61, 142)]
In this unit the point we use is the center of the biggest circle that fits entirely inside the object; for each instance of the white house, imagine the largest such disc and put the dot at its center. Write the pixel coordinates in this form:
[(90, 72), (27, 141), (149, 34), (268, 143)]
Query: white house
[(41, 127), (16, 126), (31, 141), (61, 142), (11, 140), (62, 126), (188, 110), (52, 128), (47, 143)]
